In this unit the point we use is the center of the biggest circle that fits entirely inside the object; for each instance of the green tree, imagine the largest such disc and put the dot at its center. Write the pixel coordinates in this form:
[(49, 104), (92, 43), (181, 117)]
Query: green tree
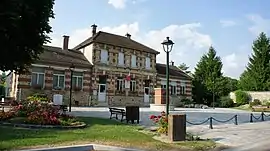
[(246, 82), (184, 67), (24, 28), (256, 77), (208, 78), (230, 85)]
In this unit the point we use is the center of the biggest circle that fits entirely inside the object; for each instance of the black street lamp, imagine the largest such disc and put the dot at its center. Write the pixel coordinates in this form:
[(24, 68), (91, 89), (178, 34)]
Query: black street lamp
[(71, 68), (167, 47), (213, 89)]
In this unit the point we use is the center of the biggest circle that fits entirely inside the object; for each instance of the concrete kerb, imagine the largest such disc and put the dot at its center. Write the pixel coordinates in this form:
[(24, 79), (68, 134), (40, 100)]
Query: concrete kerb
[(33, 126), (86, 147)]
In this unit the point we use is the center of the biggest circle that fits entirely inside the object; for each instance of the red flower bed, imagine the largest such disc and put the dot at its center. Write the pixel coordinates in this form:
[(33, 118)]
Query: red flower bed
[(6, 115), (162, 122), (45, 115), (39, 113)]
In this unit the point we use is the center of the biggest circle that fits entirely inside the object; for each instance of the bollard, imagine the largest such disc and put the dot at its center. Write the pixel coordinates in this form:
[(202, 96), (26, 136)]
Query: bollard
[(211, 123), (235, 120), (177, 127), (262, 116), (251, 119)]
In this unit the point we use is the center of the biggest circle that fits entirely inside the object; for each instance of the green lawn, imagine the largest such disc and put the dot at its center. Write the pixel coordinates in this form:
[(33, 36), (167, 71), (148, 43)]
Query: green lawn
[(243, 107), (101, 131)]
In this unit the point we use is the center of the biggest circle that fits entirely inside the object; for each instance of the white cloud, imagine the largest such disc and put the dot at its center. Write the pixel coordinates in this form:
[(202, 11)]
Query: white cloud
[(260, 24), (138, 1), (227, 23), (118, 4), (234, 64), (121, 4), (230, 61)]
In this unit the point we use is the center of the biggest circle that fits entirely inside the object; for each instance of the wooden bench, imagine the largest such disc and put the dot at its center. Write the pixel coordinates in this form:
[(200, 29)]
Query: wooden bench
[(116, 112), (260, 109)]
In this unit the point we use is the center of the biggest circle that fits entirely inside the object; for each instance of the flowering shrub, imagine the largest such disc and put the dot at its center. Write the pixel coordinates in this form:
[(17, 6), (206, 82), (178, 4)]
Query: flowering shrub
[(6, 115), (38, 97), (44, 114), (39, 113), (162, 122), (25, 107)]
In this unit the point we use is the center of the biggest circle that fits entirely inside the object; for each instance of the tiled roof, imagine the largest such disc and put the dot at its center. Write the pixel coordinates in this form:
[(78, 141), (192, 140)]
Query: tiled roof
[(116, 40), (174, 71), (58, 56)]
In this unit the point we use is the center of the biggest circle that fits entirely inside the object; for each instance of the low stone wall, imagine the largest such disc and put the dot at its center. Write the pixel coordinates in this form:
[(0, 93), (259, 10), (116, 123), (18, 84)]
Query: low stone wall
[(262, 96), (126, 100)]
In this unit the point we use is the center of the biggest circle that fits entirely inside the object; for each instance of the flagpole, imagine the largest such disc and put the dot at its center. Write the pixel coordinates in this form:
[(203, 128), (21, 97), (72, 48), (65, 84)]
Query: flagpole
[(127, 83)]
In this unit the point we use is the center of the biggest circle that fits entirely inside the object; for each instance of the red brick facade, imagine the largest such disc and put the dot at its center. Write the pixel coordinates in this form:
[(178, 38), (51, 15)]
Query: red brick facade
[(24, 85)]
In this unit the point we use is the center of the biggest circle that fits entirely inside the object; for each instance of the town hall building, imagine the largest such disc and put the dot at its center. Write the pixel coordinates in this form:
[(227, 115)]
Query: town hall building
[(112, 70)]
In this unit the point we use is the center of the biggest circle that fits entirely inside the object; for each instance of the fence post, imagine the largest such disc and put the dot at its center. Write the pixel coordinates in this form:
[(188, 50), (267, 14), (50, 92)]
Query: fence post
[(251, 119), (262, 116), (211, 123), (235, 120)]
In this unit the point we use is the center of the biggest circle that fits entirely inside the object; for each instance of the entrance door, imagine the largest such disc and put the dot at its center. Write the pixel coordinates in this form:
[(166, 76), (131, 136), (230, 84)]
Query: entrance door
[(102, 92), (146, 94)]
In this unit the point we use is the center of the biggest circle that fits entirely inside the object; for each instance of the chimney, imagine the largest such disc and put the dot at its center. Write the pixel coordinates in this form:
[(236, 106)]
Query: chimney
[(128, 35), (65, 42), (172, 63), (94, 29)]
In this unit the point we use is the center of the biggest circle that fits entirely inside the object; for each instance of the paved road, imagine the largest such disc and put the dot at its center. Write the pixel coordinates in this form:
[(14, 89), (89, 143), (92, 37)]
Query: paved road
[(243, 137), (193, 115)]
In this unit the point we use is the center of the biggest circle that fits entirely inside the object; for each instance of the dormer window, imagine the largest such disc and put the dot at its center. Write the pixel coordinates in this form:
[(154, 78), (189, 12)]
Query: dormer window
[(133, 61)]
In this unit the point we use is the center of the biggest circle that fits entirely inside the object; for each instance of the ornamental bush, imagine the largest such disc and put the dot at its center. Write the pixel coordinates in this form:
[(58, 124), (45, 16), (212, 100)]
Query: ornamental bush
[(241, 97), (39, 113), (38, 97), (255, 102), (6, 115), (226, 101)]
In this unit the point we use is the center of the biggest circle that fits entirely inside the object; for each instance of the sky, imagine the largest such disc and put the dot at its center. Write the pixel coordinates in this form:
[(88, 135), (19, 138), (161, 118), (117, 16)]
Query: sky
[(230, 26)]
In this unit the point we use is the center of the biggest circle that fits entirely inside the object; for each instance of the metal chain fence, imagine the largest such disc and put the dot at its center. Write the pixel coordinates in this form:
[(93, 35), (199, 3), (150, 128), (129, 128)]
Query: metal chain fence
[(258, 118), (211, 119)]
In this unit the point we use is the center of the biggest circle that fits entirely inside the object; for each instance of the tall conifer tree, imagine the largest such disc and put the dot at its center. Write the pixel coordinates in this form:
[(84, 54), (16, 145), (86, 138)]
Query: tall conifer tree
[(207, 77), (256, 77)]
